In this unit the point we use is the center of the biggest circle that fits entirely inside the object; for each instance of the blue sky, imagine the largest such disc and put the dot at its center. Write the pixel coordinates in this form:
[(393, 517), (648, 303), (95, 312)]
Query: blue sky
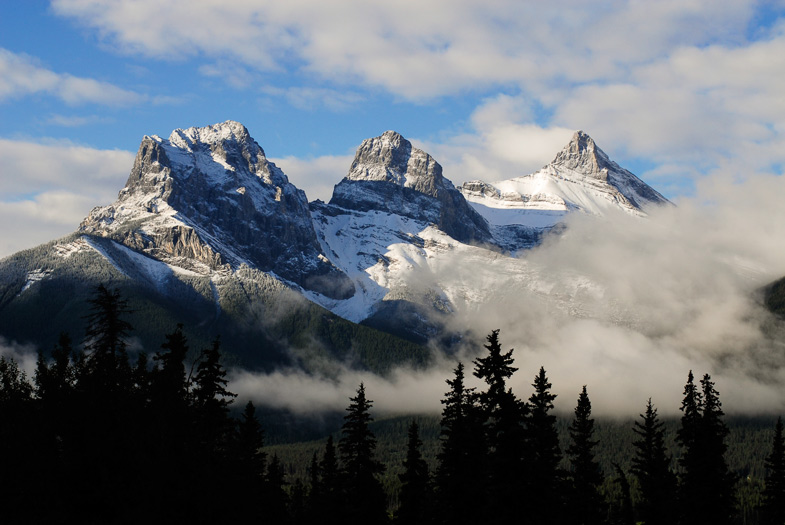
[(680, 92)]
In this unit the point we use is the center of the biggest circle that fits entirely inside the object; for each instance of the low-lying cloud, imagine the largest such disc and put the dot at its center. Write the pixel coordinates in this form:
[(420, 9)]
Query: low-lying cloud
[(624, 305)]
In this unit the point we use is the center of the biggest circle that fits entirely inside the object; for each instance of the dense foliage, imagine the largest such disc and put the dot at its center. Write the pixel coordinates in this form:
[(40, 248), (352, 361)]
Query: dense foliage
[(96, 438)]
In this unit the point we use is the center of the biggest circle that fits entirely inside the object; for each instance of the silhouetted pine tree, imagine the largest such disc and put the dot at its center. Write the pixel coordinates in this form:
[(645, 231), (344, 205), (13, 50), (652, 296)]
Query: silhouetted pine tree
[(773, 510), (20, 472), (107, 370), (506, 439), (210, 397), (546, 485), (365, 498), (415, 498), (621, 511), (460, 475), (707, 484), (250, 465), (332, 494), (586, 506), (212, 432), (105, 422), (651, 465), (315, 503), (276, 502)]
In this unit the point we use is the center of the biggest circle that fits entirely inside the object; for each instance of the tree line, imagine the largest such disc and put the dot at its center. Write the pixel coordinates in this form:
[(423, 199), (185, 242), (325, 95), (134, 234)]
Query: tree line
[(96, 439)]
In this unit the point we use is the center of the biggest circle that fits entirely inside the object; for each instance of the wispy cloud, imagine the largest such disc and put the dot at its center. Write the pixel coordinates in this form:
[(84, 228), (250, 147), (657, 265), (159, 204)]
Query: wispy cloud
[(20, 75), (317, 176), (53, 187)]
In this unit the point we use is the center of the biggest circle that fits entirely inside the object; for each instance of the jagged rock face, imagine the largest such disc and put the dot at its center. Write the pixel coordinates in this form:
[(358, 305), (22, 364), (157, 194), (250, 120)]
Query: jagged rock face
[(580, 178), (582, 155), (388, 174), (210, 195)]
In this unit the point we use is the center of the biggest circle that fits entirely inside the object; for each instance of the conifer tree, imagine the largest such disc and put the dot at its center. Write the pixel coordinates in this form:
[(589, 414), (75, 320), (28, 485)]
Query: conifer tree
[(212, 433), (651, 465), (707, 484), (210, 396), (276, 501), (586, 506), (504, 417), (332, 496), (415, 495), (460, 475), (773, 510), (250, 466), (545, 485), (316, 503), (366, 501), (106, 365)]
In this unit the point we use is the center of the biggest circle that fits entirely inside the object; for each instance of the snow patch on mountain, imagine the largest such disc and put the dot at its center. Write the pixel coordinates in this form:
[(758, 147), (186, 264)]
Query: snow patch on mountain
[(580, 178)]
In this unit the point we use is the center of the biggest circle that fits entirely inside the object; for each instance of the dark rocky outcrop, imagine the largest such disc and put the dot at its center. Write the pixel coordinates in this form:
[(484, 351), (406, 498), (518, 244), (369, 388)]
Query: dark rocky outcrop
[(388, 174)]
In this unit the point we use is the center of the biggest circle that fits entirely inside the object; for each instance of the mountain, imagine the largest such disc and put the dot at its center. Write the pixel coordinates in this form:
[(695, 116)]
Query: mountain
[(580, 178), (208, 232), (208, 198)]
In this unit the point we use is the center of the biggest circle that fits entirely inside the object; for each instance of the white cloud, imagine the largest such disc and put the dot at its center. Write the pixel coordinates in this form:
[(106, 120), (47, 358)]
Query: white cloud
[(316, 176), (48, 189), (20, 75), (308, 98), (416, 49)]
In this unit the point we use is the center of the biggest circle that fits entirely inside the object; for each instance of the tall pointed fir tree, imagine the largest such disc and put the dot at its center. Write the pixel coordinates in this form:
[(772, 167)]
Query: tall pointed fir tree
[(773, 510), (103, 397), (415, 496), (332, 498), (707, 484), (460, 475), (545, 487), (250, 465), (365, 498), (276, 500), (506, 439), (651, 466), (587, 506), (212, 432), (107, 370), (171, 438)]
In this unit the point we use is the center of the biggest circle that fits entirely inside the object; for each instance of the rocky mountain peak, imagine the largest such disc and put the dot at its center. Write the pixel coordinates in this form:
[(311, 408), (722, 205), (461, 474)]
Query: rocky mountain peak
[(390, 175), (209, 195), (391, 158), (582, 154)]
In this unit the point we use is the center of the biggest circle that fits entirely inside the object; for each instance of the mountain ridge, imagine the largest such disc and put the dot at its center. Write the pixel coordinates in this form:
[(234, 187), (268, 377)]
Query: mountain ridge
[(206, 218)]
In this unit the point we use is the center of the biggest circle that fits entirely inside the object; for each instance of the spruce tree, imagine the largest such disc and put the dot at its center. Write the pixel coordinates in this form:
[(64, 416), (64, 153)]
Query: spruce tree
[(415, 498), (212, 433), (587, 506), (460, 475), (275, 501), (366, 501), (707, 485), (210, 397), (545, 486), (106, 365), (773, 510), (505, 434), (332, 494), (651, 466)]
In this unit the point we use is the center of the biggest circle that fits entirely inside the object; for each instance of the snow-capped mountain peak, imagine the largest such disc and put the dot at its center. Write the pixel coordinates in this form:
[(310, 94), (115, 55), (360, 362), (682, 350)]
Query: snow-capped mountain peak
[(392, 158), (580, 178), (389, 175), (209, 196), (583, 155)]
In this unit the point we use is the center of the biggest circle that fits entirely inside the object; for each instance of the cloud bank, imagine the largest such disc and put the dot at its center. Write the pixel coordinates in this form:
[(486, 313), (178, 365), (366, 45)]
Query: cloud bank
[(623, 305), (48, 188)]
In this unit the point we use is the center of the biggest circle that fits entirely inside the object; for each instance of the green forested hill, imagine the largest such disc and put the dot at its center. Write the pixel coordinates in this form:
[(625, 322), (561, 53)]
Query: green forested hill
[(262, 323)]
